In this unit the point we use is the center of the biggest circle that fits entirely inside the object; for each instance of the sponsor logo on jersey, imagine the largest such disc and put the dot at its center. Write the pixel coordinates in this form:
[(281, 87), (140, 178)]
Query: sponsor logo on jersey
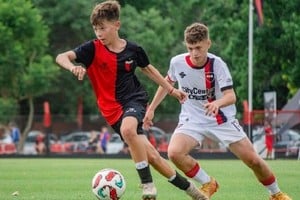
[(199, 94)]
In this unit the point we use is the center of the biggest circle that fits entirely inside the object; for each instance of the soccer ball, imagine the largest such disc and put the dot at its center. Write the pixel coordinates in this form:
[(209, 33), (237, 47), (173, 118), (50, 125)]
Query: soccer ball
[(108, 184)]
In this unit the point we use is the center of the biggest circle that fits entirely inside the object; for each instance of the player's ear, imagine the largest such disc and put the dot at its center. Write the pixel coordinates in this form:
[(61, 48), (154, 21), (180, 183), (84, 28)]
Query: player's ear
[(117, 24), (208, 43)]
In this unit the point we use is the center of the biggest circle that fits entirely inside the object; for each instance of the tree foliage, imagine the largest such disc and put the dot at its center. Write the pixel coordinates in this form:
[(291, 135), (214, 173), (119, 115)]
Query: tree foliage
[(27, 71), (22, 35), (158, 26)]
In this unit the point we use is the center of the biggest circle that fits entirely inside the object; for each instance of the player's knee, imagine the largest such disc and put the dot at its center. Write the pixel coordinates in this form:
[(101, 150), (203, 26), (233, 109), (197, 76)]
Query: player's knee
[(128, 133), (254, 163), (173, 155), (153, 157)]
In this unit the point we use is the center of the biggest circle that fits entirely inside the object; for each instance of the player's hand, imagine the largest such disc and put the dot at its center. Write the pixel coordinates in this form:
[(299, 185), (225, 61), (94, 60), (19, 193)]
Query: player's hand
[(212, 108), (180, 95), (78, 71), (147, 121)]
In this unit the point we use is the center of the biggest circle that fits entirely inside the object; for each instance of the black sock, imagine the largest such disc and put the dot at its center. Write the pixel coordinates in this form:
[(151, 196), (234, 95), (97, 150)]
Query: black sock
[(180, 182), (145, 175)]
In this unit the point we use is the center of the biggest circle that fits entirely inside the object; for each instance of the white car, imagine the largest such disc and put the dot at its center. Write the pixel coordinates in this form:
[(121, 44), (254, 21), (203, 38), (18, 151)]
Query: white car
[(78, 140), (29, 144), (115, 144)]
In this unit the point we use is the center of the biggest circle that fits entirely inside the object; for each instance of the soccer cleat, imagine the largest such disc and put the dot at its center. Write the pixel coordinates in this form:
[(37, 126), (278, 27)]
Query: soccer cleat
[(149, 191), (210, 188), (280, 196), (195, 193)]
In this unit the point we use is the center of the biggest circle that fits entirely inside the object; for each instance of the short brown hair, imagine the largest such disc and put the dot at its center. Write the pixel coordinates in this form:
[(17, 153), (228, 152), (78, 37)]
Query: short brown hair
[(107, 10), (196, 32)]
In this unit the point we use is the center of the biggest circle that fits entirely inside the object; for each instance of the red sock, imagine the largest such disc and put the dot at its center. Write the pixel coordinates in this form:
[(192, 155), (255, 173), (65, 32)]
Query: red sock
[(193, 171), (269, 180)]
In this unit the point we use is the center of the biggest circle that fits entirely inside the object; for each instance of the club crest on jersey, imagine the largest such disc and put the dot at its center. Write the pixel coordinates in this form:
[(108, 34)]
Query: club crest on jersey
[(209, 76), (128, 64)]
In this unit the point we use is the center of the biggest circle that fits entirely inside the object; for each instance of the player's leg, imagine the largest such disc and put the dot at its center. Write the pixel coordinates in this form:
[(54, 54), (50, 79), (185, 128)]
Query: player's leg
[(129, 133), (143, 154), (164, 168), (178, 152), (128, 129), (245, 151)]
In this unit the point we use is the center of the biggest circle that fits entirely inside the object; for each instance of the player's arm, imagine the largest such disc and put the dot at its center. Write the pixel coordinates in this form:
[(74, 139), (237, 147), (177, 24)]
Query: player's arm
[(159, 96), (156, 76), (65, 60), (157, 99), (228, 98)]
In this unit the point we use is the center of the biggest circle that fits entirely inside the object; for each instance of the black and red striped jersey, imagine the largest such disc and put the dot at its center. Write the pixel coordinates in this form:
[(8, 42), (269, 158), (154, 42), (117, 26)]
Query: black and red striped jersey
[(112, 76)]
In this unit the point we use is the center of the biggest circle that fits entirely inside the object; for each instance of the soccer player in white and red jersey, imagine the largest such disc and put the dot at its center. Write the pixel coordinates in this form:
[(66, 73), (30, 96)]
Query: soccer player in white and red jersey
[(110, 63), (209, 112)]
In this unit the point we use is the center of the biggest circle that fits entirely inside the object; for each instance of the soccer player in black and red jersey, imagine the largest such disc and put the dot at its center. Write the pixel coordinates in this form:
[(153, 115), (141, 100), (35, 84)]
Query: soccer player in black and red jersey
[(110, 63)]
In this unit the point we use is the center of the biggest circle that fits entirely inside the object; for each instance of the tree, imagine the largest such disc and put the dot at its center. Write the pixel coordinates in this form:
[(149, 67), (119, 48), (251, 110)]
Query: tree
[(28, 72), (8, 109), (69, 26), (287, 22), (158, 26), (275, 60)]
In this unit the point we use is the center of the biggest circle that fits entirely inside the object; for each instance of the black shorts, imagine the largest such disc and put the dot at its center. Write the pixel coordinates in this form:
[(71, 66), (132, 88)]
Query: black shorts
[(132, 109)]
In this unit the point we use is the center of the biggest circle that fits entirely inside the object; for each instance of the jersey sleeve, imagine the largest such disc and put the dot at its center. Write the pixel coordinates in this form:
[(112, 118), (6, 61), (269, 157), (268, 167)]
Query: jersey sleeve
[(85, 53), (224, 77), (171, 71), (142, 58)]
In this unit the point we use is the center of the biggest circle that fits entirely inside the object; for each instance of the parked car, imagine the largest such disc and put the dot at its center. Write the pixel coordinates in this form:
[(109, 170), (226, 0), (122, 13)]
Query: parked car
[(29, 144), (159, 134), (78, 141), (116, 145), (288, 142)]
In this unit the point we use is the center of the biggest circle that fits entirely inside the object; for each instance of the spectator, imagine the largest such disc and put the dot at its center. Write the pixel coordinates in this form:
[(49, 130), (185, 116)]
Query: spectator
[(14, 133), (104, 138), (269, 136), (6, 143), (93, 143), (5, 138), (40, 146)]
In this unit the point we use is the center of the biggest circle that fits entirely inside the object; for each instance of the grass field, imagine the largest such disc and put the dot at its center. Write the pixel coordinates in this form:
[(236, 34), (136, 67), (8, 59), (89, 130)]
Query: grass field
[(70, 179)]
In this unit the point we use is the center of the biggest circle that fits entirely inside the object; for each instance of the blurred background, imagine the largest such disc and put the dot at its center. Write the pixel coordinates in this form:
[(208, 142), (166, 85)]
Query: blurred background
[(56, 114)]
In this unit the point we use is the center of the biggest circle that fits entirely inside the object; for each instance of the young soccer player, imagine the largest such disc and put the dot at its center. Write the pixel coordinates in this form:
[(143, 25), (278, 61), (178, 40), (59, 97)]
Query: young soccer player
[(209, 111), (110, 63)]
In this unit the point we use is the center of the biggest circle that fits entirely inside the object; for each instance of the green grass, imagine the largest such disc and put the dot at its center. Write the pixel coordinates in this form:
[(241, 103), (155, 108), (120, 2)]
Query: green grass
[(70, 179)]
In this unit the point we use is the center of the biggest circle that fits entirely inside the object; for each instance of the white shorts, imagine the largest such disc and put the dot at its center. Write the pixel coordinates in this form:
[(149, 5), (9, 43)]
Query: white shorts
[(226, 133)]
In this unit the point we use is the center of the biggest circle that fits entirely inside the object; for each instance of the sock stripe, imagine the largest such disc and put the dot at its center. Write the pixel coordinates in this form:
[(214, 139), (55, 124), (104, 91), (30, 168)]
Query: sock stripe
[(269, 180), (193, 171)]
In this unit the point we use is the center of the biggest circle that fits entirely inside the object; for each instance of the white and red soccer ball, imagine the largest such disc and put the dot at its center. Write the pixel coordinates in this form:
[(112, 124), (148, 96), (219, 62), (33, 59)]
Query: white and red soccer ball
[(108, 184)]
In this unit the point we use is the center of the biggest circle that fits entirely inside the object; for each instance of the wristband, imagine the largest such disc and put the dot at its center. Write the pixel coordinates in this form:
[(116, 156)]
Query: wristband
[(172, 90)]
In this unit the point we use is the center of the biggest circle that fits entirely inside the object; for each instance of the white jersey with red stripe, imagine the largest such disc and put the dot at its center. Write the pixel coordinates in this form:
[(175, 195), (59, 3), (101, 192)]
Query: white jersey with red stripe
[(202, 84)]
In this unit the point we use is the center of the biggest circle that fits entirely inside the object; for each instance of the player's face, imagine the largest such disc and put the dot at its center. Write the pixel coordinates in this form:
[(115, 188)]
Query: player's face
[(107, 31), (198, 51)]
